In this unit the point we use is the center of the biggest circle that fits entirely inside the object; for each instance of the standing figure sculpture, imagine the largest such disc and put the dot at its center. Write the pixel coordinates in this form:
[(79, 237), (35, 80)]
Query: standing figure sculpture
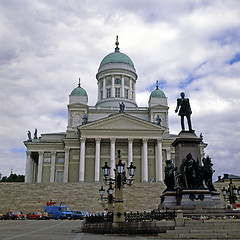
[(29, 136), (208, 173), (185, 111), (35, 134), (85, 119), (169, 175), (122, 107), (159, 120)]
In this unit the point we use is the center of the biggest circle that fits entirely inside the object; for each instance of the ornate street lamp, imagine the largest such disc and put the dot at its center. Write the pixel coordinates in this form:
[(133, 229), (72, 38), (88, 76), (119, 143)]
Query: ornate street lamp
[(120, 180), (231, 194)]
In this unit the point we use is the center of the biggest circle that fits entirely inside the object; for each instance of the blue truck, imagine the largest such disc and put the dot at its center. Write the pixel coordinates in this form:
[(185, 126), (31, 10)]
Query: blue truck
[(59, 212)]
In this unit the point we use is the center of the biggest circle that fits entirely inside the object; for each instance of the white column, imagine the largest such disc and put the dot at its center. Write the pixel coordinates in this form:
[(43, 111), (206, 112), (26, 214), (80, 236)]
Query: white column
[(28, 167), (52, 172), (130, 151), (99, 91), (112, 163), (112, 91), (130, 89), (40, 163), (145, 161), (97, 160), (82, 160), (122, 86), (168, 150), (134, 95), (104, 87), (159, 175), (66, 165)]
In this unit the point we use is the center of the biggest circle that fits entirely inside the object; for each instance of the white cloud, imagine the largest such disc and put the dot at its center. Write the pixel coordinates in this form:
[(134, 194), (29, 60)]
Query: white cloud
[(47, 45)]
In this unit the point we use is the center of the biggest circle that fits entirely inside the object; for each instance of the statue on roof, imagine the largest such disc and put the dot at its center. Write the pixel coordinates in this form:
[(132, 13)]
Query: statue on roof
[(85, 119), (35, 134), (122, 107), (158, 120), (29, 136), (184, 111)]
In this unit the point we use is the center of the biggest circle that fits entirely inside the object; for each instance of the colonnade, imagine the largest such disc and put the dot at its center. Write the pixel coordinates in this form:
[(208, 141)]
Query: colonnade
[(34, 170)]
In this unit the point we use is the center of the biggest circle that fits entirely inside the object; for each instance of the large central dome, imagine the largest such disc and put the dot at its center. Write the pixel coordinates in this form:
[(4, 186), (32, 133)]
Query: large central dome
[(116, 57)]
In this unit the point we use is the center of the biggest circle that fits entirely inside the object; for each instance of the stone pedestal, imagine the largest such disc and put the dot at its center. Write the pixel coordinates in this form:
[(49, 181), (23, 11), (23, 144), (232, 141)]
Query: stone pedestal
[(186, 142), (191, 199)]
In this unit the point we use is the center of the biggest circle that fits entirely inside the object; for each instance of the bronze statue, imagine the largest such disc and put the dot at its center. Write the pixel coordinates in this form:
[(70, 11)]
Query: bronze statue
[(122, 107), (208, 172), (85, 119), (159, 120), (29, 136), (169, 175), (35, 134), (185, 111)]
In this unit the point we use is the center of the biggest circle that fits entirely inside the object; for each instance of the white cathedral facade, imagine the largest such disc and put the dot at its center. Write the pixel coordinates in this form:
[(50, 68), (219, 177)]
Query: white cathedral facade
[(95, 133)]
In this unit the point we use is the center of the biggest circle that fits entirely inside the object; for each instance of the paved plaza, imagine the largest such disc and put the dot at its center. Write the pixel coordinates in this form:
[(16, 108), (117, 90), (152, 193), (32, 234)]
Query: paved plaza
[(51, 230)]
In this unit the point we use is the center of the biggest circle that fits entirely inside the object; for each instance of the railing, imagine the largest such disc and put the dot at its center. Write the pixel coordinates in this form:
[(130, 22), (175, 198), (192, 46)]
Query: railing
[(138, 217), (150, 216), (100, 218)]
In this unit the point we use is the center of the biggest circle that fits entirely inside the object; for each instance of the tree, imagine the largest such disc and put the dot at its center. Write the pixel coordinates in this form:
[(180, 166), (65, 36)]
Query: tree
[(13, 178)]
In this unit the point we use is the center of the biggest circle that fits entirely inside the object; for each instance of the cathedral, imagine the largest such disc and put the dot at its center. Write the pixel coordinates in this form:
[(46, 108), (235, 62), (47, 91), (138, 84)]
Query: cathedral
[(95, 133)]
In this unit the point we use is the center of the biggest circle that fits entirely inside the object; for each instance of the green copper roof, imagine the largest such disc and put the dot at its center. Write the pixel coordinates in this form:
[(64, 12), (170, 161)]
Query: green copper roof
[(116, 57), (78, 92), (157, 93)]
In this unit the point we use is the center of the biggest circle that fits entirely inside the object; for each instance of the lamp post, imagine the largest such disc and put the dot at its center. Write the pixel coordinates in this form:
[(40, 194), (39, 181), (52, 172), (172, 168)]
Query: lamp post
[(120, 180), (231, 194)]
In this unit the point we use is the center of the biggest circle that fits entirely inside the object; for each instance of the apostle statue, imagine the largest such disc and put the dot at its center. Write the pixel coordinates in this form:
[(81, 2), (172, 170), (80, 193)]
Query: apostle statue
[(122, 107)]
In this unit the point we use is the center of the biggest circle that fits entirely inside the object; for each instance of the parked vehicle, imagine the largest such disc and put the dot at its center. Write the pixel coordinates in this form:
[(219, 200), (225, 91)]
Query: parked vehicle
[(35, 215), (59, 212), (79, 214), (14, 215)]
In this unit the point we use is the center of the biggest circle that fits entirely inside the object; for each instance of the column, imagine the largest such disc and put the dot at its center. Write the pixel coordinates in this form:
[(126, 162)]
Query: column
[(104, 87), (99, 90), (66, 165), (40, 163), (82, 160), (159, 176), (112, 163), (28, 167), (112, 90), (168, 150), (145, 161), (130, 151), (122, 86), (52, 172), (97, 160), (130, 89)]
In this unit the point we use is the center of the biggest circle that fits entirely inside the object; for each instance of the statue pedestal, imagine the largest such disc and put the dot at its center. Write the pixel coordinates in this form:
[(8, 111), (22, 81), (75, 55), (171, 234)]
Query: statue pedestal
[(191, 199), (186, 142)]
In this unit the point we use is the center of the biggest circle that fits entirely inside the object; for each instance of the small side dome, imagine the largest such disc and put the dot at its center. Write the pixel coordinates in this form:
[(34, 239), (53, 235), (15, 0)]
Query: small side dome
[(157, 93), (79, 91)]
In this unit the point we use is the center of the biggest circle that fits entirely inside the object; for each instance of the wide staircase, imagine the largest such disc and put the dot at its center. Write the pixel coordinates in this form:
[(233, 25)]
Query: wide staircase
[(27, 197), (205, 229)]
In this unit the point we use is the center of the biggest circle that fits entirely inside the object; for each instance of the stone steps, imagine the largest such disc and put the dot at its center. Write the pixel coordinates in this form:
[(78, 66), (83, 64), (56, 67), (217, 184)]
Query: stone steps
[(27, 197), (206, 229)]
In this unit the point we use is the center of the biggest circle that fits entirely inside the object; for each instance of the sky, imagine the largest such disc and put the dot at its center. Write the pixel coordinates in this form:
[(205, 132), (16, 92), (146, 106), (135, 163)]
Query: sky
[(190, 46)]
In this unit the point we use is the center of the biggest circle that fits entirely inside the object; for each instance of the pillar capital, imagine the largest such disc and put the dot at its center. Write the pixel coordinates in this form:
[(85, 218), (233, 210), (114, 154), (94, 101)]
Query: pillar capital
[(145, 140), (82, 139), (113, 140), (98, 140)]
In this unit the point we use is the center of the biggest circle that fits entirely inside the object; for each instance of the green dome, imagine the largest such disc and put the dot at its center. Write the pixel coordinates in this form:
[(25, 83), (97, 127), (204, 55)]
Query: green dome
[(116, 57), (78, 92), (157, 93)]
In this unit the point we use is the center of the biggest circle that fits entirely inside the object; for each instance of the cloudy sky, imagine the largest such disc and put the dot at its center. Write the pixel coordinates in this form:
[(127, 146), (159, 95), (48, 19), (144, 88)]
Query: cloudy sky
[(190, 46)]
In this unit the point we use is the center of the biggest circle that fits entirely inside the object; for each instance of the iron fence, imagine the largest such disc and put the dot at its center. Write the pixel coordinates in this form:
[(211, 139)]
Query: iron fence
[(150, 216)]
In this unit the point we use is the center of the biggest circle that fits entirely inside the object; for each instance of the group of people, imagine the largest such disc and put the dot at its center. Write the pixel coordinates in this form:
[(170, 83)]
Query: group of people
[(51, 203)]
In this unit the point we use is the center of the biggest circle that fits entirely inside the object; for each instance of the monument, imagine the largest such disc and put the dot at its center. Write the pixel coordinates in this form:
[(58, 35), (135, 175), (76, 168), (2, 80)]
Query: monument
[(189, 181)]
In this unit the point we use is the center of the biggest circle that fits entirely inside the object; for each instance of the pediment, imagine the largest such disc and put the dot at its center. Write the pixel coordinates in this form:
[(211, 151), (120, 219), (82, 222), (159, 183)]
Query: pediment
[(122, 121)]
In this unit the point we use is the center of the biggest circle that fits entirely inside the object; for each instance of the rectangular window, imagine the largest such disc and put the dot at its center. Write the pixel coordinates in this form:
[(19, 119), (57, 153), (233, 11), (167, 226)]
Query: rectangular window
[(108, 92), (117, 92), (60, 159), (126, 93)]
